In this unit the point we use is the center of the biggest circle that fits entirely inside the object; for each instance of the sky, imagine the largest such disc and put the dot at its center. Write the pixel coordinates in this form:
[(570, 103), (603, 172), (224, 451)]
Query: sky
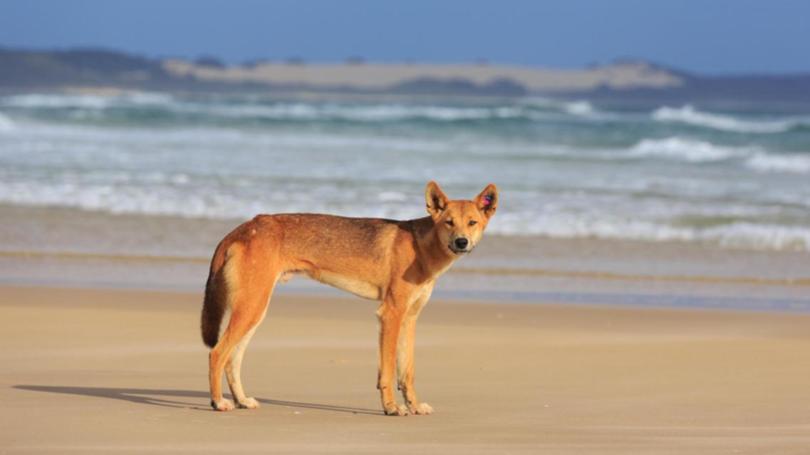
[(707, 37)]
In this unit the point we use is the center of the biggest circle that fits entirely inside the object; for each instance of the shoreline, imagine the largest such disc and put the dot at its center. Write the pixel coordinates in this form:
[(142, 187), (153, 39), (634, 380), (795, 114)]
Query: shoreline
[(65, 231), (63, 247), (187, 275), (627, 301), (73, 248), (492, 271)]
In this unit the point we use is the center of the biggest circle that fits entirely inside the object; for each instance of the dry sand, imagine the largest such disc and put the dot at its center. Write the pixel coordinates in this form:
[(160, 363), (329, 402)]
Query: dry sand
[(114, 371)]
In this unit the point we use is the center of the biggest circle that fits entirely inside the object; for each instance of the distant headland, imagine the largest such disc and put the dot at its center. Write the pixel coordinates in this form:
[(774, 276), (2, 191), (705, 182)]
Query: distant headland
[(625, 79)]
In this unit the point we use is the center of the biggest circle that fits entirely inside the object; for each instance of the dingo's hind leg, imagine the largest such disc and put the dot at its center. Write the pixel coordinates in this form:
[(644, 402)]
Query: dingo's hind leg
[(248, 297), (233, 371), (228, 353)]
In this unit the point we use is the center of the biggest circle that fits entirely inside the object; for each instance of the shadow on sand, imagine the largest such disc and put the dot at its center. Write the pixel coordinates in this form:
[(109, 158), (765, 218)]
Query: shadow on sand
[(169, 398)]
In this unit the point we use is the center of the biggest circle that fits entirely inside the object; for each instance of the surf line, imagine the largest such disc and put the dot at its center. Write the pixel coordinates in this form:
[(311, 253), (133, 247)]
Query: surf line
[(492, 271), (600, 275)]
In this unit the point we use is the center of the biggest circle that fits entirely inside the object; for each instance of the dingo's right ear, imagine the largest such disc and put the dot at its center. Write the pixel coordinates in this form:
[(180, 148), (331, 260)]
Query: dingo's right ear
[(436, 199)]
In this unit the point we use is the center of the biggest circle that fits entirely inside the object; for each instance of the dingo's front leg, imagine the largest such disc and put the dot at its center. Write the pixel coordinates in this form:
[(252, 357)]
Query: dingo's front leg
[(405, 357), (406, 366), (390, 315)]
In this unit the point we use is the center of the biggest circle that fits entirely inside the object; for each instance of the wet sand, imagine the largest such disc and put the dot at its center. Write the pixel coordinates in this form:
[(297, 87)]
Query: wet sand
[(72, 248), (124, 371)]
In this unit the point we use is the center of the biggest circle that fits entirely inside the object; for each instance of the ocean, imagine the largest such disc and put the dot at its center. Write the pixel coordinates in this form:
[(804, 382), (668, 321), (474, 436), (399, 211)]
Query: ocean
[(736, 179)]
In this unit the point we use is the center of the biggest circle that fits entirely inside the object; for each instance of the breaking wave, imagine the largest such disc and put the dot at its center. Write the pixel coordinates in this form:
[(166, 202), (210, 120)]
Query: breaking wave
[(166, 196), (689, 115), (93, 106), (794, 164), (738, 234), (580, 108), (565, 172), (247, 109), (696, 151), (690, 150)]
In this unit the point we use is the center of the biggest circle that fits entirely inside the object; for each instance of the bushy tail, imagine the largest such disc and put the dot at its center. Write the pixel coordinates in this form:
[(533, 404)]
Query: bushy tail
[(216, 298)]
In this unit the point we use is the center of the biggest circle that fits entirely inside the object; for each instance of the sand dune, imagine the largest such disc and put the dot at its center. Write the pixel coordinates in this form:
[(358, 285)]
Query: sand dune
[(379, 76)]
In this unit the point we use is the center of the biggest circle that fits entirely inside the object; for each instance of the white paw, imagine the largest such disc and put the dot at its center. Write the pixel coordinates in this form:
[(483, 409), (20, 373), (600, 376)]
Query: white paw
[(396, 410), (421, 409), (249, 403), (222, 404)]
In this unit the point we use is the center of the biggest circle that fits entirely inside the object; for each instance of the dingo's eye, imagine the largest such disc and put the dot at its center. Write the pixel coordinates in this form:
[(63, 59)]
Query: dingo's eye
[(449, 223), (473, 222)]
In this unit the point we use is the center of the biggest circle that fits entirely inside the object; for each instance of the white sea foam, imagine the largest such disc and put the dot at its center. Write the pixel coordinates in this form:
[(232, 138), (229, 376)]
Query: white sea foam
[(572, 225), (359, 113), (57, 101), (736, 235), (93, 106), (686, 149), (52, 136), (85, 101), (656, 189), (165, 195), (759, 236), (696, 151), (273, 111), (148, 98), (6, 124), (765, 162), (396, 112), (293, 111), (579, 108), (362, 113), (689, 115)]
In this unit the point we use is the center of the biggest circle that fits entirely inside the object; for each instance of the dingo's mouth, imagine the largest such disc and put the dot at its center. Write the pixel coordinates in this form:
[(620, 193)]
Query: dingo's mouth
[(459, 251)]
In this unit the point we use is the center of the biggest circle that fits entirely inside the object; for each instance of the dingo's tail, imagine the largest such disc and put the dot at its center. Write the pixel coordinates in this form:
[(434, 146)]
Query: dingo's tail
[(216, 298)]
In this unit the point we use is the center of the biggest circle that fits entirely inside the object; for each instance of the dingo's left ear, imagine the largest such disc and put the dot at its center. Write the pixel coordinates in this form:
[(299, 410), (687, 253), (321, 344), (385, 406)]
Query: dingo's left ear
[(487, 200), (435, 199)]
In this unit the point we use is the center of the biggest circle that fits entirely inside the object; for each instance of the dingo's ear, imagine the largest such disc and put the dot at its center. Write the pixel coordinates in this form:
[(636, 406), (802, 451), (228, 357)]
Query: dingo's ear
[(487, 200), (435, 199)]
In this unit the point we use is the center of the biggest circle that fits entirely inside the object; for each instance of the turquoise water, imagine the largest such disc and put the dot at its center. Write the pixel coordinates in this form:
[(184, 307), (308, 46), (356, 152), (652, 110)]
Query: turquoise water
[(566, 169)]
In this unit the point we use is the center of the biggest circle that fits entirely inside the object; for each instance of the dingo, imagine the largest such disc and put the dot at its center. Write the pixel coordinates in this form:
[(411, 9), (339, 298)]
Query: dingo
[(394, 262)]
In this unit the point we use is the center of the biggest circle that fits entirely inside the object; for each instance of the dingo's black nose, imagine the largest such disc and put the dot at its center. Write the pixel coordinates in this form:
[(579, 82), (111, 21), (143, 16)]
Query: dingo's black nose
[(461, 243)]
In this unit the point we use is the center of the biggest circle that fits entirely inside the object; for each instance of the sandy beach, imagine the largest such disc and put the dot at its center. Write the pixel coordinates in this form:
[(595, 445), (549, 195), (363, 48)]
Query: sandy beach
[(643, 288), (101, 371)]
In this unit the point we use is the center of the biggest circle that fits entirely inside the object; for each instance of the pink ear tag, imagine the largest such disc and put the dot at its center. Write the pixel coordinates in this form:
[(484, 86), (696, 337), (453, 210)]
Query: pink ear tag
[(486, 200)]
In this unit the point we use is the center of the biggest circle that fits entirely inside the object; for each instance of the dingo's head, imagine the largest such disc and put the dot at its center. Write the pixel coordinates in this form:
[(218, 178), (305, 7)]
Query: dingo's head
[(460, 223)]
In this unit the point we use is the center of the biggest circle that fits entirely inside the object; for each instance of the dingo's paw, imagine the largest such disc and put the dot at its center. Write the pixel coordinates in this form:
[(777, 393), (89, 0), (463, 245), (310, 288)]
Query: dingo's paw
[(420, 409), (223, 404), (396, 410), (249, 403)]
